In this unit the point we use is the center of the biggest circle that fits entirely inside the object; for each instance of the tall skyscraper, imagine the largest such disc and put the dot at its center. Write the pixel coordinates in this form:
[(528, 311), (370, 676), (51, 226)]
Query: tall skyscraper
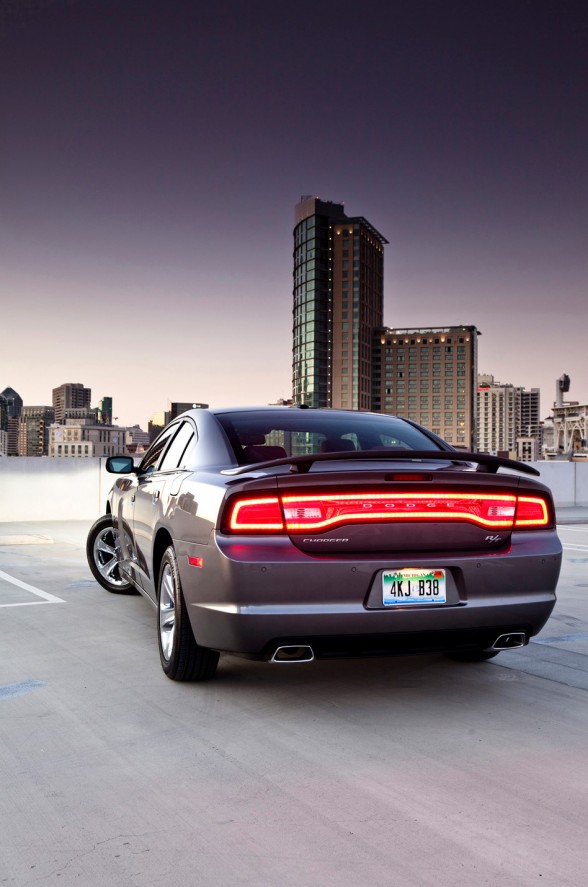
[(338, 302), (344, 356), (70, 395)]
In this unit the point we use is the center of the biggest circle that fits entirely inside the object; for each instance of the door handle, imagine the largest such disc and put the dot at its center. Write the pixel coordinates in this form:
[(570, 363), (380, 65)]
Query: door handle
[(133, 498), (155, 496)]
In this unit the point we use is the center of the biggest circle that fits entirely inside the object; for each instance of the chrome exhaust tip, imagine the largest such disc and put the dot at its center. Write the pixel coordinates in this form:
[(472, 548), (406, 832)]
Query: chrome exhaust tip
[(293, 653), (510, 641)]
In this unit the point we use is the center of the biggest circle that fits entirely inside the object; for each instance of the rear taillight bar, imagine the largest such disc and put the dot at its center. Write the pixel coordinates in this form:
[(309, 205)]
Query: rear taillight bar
[(321, 513)]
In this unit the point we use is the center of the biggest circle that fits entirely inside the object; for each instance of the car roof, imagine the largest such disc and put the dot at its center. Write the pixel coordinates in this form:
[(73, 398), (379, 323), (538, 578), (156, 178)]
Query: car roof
[(276, 408)]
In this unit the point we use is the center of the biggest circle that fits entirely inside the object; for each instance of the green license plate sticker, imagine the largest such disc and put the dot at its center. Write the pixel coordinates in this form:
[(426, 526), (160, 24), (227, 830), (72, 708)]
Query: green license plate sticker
[(413, 586)]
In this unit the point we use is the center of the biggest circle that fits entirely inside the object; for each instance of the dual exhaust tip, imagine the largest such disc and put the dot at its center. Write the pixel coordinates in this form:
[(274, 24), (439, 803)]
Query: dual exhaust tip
[(510, 641), (293, 653), (303, 653)]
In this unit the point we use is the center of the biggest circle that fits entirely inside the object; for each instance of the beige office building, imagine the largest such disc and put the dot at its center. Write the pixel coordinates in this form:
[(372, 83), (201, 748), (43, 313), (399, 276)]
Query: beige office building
[(429, 376), (70, 395), (82, 440)]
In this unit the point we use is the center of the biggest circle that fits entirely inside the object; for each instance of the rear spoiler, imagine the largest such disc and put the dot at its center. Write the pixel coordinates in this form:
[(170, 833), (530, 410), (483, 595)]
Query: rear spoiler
[(302, 464)]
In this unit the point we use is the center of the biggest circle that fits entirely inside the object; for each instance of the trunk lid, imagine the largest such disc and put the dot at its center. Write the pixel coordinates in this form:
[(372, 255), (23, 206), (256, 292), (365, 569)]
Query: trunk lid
[(408, 510)]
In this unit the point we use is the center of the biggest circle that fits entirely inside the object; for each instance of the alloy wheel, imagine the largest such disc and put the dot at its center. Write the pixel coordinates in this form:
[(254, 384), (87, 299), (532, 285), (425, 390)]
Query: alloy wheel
[(105, 559), (167, 612)]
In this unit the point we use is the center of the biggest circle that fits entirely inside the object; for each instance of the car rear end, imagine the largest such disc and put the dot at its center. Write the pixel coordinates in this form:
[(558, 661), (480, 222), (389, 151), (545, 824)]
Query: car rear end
[(397, 557)]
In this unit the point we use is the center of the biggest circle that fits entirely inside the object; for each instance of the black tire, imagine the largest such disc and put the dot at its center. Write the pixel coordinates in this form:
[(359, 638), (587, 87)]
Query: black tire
[(101, 554), (182, 659), (473, 655)]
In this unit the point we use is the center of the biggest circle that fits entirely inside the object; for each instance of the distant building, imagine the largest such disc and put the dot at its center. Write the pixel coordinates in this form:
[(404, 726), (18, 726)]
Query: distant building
[(508, 419), (137, 440), (159, 420), (570, 429), (12, 436), (530, 423), (104, 411), (3, 426), (85, 439), (176, 409), (33, 430), (428, 376), (13, 403), (498, 413), (528, 449), (81, 414), (70, 395), (156, 424), (338, 302)]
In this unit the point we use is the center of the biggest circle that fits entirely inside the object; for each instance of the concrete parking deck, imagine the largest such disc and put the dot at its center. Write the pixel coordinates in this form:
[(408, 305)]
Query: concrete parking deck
[(410, 772)]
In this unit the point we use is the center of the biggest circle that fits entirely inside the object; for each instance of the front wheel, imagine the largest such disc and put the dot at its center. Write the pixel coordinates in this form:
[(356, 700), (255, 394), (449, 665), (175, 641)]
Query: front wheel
[(102, 559), (182, 659)]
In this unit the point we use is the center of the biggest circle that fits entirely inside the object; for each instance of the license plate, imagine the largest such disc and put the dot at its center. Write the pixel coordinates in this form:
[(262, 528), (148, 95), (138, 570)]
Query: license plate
[(413, 586)]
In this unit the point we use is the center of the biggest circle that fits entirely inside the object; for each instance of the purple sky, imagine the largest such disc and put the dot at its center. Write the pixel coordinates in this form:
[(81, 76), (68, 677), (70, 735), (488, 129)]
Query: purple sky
[(152, 153)]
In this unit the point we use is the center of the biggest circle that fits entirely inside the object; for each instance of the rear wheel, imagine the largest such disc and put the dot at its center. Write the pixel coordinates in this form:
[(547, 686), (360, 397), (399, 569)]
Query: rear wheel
[(473, 655), (102, 559), (182, 659)]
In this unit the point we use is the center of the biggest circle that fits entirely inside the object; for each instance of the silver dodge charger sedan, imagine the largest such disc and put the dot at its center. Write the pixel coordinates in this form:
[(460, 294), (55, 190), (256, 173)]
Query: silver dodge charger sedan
[(289, 534)]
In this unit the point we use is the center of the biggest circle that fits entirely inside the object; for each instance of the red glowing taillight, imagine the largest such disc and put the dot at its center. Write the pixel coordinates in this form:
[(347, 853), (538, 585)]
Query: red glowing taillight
[(323, 512), (256, 515), (532, 511), (304, 513)]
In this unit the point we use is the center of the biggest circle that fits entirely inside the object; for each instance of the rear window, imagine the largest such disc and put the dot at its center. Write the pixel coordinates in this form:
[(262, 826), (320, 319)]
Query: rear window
[(262, 436)]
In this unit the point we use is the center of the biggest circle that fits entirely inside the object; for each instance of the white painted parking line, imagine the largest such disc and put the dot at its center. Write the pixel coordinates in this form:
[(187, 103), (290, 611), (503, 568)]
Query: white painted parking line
[(46, 597), (575, 547)]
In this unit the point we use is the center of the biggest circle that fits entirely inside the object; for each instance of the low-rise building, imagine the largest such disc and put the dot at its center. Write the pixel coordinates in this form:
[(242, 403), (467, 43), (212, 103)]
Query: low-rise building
[(137, 440), (528, 449), (85, 439)]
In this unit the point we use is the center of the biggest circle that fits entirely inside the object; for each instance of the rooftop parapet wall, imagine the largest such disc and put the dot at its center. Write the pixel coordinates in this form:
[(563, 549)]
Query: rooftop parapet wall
[(43, 489), (33, 488)]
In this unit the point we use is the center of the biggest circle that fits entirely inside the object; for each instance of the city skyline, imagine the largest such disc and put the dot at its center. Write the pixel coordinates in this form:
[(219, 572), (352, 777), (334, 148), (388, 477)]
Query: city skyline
[(153, 157)]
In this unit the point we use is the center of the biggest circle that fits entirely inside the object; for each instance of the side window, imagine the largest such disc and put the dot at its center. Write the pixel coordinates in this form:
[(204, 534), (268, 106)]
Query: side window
[(177, 448), (153, 454)]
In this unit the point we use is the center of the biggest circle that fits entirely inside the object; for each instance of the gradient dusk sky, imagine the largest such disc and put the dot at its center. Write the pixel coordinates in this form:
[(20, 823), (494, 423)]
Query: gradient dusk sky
[(152, 153)]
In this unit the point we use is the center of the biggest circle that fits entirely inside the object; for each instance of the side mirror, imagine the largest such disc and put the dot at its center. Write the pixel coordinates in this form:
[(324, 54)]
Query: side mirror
[(120, 465)]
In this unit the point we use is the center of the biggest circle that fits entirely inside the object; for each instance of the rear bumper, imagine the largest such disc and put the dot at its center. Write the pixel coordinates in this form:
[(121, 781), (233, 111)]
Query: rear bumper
[(250, 597)]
